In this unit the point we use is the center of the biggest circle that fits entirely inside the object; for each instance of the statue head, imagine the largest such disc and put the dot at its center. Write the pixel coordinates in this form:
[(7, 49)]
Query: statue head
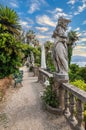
[(61, 28), (63, 22)]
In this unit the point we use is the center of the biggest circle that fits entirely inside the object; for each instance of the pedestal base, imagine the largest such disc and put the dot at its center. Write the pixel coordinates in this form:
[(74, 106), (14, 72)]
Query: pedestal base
[(60, 76)]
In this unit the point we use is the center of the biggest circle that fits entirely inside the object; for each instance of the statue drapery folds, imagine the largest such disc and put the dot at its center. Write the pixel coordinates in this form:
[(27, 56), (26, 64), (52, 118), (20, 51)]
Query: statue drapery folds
[(60, 53)]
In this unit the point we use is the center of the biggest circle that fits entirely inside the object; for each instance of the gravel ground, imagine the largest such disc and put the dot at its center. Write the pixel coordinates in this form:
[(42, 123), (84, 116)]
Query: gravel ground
[(24, 110)]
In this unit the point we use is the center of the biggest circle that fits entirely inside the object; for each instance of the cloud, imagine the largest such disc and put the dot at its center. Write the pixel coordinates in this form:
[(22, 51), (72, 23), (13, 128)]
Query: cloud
[(44, 38), (72, 2), (83, 39), (58, 12), (35, 5), (30, 21), (69, 29), (15, 5), (77, 29), (41, 36), (84, 22), (79, 34), (42, 29), (45, 20), (44, 2), (84, 33), (79, 50), (24, 24), (76, 13), (81, 8)]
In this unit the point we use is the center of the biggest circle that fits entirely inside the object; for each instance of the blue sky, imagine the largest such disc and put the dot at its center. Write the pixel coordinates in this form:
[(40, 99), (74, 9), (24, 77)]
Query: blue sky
[(41, 16)]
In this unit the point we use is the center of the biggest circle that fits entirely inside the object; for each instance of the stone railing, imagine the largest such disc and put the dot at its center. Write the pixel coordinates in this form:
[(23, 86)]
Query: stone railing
[(44, 75), (72, 100), (36, 70)]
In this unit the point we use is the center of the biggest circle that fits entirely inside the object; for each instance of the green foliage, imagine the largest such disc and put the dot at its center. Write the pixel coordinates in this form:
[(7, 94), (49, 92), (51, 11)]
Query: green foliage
[(9, 20), (82, 73), (49, 96), (37, 54), (80, 84), (49, 59), (72, 38), (70, 49), (30, 35), (10, 54), (77, 73), (85, 115), (50, 64)]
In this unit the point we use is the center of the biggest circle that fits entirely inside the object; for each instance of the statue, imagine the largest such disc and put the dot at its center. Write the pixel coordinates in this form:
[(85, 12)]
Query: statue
[(60, 52)]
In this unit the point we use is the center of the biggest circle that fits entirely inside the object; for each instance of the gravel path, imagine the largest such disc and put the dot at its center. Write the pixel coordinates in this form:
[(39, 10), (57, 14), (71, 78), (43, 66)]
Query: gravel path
[(24, 109)]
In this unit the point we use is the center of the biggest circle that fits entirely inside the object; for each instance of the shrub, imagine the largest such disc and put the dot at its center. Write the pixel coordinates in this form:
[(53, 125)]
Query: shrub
[(49, 96), (10, 54), (77, 73), (80, 84)]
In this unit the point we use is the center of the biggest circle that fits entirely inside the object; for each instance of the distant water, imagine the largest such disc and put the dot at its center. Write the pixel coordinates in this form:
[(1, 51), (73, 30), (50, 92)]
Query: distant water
[(81, 64)]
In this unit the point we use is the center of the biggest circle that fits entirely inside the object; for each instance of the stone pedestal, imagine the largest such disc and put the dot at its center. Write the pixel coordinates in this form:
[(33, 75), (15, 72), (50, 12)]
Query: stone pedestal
[(58, 80), (36, 71)]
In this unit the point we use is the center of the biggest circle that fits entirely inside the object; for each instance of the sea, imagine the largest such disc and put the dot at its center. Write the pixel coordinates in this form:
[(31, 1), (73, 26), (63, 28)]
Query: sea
[(81, 64)]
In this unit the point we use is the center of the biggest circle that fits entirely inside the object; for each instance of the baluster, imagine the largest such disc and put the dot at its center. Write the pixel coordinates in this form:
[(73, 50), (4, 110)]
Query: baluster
[(42, 77), (80, 114), (61, 98), (66, 111), (72, 106), (39, 76)]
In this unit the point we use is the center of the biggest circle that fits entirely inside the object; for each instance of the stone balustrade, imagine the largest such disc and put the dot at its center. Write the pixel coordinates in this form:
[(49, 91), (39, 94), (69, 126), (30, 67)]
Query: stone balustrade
[(71, 98), (44, 75), (74, 100), (36, 70)]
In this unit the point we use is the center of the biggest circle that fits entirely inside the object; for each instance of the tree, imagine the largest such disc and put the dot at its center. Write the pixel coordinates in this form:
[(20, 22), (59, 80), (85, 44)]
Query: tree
[(30, 35), (9, 20), (72, 38), (35, 42), (49, 59)]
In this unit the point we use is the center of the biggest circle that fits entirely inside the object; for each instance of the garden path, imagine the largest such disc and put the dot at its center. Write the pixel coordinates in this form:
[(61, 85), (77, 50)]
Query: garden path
[(23, 110)]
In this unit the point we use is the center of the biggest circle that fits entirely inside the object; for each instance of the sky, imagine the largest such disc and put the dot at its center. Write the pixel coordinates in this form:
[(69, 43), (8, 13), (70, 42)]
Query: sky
[(41, 16)]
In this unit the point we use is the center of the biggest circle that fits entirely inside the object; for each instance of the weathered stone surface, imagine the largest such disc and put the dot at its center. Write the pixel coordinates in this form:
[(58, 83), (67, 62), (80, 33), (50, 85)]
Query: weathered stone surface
[(60, 51)]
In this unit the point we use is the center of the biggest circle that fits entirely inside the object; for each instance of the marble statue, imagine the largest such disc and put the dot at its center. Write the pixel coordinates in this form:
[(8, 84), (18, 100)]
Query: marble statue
[(60, 52)]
